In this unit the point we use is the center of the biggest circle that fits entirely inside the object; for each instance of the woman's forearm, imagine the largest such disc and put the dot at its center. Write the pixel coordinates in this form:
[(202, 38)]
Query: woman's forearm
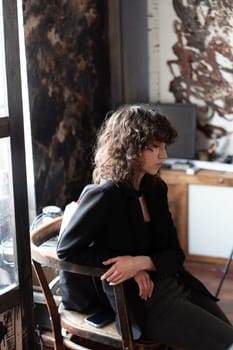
[(144, 262)]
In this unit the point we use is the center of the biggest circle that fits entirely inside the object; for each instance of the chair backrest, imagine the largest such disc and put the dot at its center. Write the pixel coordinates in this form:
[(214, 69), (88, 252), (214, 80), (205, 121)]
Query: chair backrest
[(43, 250)]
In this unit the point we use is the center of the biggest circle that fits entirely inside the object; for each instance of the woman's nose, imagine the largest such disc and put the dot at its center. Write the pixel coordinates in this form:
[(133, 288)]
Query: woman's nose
[(163, 152)]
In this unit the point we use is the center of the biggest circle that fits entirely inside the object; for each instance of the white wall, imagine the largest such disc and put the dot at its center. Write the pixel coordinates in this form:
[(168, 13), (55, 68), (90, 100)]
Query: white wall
[(210, 221), (161, 37)]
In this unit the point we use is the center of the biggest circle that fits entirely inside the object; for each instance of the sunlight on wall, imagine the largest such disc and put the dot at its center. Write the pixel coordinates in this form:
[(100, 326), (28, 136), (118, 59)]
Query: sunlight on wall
[(27, 123)]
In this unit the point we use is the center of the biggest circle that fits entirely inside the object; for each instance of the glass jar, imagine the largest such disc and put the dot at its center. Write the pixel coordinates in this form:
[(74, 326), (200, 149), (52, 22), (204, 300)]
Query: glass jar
[(48, 213)]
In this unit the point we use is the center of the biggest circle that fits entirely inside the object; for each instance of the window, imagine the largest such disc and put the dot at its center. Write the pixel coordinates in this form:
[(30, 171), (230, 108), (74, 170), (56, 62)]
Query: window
[(16, 298), (8, 261), (3, 86)]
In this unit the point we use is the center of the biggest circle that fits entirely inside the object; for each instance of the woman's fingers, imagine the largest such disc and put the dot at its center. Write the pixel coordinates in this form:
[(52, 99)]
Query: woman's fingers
[(145, 284), (112, 275), (107, 274), (110, 261)]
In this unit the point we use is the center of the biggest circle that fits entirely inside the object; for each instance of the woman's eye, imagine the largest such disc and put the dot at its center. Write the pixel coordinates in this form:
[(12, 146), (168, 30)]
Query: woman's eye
[(153, 148)]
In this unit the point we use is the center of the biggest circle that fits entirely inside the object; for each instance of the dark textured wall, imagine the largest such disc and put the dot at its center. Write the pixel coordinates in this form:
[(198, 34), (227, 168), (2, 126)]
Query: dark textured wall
[(68, 77)]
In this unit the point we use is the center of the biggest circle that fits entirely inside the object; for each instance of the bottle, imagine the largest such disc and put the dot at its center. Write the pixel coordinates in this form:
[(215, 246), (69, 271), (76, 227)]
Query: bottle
[(48, 213)]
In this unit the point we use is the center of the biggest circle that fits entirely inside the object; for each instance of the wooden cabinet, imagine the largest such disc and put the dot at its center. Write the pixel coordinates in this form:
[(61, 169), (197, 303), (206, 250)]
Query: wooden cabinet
[(180, 188)]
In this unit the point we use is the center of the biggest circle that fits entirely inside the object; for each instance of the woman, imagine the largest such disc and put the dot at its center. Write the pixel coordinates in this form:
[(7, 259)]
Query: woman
[(123, 223)]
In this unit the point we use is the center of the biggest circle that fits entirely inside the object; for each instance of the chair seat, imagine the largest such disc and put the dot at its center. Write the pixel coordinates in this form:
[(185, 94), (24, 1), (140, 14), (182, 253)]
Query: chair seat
[(74, 322)]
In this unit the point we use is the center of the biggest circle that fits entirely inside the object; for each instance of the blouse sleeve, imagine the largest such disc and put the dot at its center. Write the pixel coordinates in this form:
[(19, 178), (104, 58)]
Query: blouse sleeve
[(75, 243), (169, 258)]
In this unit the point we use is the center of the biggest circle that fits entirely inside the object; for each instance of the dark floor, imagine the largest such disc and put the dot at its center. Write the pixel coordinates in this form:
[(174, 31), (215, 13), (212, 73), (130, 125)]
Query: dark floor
[(211, 275)]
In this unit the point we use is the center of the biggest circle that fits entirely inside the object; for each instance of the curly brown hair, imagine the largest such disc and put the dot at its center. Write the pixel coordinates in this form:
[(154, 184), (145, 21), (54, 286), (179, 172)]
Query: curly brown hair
[(123, 136)]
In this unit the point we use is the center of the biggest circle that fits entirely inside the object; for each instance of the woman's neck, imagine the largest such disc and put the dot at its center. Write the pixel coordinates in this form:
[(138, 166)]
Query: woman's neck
[(137, 182)]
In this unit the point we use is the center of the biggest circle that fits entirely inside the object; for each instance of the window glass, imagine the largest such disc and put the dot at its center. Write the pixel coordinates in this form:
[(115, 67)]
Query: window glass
[(8, 270), (3, 95)]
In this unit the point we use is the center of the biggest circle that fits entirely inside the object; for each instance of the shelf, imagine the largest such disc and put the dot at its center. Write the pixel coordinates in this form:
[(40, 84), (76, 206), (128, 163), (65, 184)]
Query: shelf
[(199, 165)]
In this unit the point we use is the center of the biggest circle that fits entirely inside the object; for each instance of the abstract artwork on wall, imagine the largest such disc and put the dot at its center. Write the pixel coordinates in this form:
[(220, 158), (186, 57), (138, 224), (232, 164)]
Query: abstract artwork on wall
[(202, 69), (67, 66)]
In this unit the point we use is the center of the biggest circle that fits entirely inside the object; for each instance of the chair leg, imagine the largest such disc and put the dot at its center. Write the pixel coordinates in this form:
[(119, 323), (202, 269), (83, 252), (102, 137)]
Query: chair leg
[(225, 271)]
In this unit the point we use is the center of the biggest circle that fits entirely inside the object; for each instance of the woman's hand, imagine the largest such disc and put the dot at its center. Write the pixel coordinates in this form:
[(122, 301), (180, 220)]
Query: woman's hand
[(145, 284), (123, 268), (126, 267)]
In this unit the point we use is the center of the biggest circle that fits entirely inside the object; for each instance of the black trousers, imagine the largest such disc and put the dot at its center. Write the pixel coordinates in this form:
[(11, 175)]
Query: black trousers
[(186, 319)]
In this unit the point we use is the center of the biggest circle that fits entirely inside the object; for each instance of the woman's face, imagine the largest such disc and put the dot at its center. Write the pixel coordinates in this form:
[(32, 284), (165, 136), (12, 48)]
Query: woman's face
[(151, 158)]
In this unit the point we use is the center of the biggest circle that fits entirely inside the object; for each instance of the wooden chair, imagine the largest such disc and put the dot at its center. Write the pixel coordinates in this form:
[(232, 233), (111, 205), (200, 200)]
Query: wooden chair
[(72, 322)]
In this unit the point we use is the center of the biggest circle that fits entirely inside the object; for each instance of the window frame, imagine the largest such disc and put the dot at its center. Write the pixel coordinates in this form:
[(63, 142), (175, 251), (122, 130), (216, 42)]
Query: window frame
[(12, 126)]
